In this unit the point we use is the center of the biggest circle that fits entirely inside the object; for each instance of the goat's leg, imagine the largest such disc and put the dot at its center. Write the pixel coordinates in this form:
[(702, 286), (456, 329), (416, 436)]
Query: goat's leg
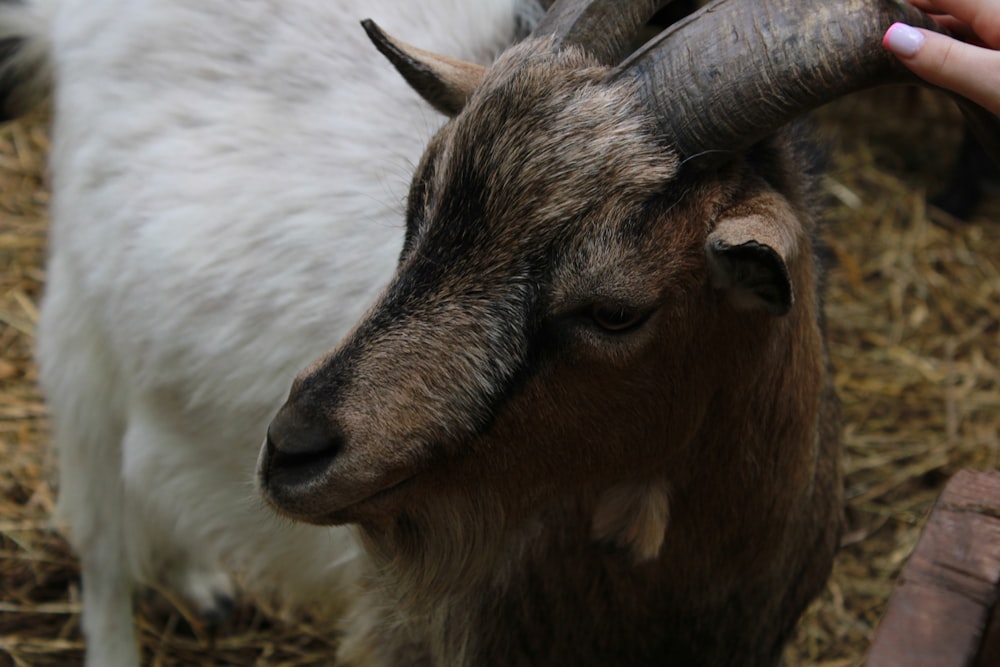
[(87, 438), (107, 609), (92, 506), (170, 536)]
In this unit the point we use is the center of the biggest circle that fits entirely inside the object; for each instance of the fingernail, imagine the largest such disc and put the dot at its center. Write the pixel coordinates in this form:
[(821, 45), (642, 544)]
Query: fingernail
[(903, 40)]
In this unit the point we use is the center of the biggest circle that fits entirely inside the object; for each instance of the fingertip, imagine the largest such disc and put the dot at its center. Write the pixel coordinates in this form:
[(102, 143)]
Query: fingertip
[(971, 71), (903, 40)]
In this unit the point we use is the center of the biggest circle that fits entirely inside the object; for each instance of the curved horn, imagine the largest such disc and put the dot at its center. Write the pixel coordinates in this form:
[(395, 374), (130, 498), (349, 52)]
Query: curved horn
[(737, 70), (603, 28)]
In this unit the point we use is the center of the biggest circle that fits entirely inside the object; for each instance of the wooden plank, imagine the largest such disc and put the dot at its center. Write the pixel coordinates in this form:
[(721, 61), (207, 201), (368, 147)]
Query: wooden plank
[(989, 652), (942, 611)]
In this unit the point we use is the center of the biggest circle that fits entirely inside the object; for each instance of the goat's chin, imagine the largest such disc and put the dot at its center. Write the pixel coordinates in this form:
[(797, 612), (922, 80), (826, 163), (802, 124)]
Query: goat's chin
[(378, 508), (320, 496)]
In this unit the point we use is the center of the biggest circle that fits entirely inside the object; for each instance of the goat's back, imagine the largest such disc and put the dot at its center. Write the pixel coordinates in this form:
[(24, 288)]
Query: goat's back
[(223, 172)]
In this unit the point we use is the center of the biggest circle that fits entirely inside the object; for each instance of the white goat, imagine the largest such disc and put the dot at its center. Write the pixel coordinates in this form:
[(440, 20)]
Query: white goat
[(228, 185)]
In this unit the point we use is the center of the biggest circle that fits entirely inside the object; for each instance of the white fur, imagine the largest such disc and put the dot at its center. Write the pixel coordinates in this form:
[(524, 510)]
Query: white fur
[(228, 190)]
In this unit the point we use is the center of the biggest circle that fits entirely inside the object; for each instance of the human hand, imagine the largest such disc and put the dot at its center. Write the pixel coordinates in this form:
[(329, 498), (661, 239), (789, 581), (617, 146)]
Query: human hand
[(969, 65)]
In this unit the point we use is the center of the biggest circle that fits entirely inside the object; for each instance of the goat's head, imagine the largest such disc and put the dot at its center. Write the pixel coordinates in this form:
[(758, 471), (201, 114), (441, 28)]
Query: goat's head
[(529, 254), (573, 265)]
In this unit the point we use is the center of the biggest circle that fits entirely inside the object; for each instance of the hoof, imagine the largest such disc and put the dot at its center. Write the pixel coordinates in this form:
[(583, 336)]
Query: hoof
[(221, 610), (210, 594)]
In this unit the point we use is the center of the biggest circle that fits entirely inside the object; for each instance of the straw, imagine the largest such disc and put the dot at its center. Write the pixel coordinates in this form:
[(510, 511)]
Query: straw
[(913, 305)]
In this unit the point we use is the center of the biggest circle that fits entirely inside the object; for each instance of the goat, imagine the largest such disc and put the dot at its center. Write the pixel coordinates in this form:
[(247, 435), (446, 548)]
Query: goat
[(590, 420), (228, 184)]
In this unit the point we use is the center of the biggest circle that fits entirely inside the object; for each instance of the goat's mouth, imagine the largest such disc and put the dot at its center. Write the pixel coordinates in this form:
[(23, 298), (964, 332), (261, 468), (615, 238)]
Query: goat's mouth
[(320, 489), (375, 508)]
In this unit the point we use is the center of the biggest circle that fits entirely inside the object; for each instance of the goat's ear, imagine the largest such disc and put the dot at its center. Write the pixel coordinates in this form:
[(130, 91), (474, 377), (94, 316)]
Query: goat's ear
[(444, 82), (749, 251)]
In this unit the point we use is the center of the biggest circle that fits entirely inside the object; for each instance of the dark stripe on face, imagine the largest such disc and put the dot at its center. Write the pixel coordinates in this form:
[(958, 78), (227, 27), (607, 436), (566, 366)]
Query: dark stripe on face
[(416, 201)]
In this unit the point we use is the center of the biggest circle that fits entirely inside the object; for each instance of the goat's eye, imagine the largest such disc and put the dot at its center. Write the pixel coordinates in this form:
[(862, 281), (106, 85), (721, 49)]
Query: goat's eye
[(616, 318)]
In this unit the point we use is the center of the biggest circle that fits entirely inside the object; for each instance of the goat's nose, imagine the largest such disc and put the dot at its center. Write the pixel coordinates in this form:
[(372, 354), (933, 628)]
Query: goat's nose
[(299, 449)]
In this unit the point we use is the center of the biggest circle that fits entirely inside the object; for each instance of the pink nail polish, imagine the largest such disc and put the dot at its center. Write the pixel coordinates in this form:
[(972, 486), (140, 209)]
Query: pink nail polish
[(903, 40)]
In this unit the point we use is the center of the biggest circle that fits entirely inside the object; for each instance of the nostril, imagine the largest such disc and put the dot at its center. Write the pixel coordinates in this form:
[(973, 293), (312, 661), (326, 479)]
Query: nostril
[(283, 458), (297, 452), (302, 441)]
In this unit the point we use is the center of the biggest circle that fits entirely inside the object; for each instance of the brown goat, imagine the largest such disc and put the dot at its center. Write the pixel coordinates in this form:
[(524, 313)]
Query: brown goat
[(590, 421)]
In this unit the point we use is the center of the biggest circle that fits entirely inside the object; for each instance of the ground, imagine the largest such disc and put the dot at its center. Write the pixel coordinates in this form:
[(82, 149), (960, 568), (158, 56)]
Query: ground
[(913, 307)]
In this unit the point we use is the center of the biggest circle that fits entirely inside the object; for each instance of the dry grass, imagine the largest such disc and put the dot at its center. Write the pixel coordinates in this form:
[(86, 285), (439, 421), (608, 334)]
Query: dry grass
[(914, 324), (913, 308)]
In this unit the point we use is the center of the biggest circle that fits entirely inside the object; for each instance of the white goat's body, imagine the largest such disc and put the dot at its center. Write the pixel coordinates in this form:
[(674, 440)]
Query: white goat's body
[(228, 188)]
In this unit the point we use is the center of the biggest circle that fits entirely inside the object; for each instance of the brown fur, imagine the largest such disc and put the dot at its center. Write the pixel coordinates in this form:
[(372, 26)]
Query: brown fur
[(531, 490)]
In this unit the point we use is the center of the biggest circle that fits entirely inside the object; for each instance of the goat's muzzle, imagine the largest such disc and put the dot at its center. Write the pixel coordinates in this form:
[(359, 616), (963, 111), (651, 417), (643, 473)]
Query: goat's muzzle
[(308, 471), (295, 460), (295, 453)]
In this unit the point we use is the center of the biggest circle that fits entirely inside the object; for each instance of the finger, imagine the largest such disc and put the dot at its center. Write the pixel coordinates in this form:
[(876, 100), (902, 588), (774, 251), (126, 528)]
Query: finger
[(924, 5), (958, 29), (983, 16), (970, 71)]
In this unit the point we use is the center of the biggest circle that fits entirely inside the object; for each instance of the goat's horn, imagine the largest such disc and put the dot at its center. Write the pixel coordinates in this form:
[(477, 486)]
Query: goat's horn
[(735, 71), (603, 28)]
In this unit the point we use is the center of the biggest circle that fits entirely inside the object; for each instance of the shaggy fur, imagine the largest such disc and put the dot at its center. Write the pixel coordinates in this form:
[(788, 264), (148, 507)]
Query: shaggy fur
[(589, 421)]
